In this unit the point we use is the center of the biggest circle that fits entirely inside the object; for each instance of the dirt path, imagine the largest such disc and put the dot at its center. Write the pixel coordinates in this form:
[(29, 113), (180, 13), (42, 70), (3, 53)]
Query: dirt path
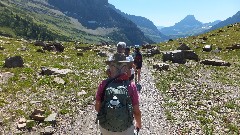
[(153, 119)]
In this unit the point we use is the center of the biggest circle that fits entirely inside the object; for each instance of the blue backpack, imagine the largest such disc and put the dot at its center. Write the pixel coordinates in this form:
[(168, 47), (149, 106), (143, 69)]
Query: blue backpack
[(116, 113)]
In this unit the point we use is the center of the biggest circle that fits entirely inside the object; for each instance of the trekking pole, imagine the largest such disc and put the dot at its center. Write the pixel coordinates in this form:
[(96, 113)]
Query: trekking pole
[(137, 131), (97, 122)]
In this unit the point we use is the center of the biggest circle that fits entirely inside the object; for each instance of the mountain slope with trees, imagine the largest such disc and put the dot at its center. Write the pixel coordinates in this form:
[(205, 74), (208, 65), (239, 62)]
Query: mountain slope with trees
[(86, 21)]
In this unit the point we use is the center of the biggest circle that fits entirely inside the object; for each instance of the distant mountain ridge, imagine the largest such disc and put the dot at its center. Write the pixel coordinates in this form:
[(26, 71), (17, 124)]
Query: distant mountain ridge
[(87, 20), (187, 27), (145, 25), (231, 20)]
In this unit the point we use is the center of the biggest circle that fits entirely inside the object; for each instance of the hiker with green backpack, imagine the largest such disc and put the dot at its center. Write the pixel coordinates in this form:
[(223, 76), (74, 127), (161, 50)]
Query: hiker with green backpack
[(117, 100)]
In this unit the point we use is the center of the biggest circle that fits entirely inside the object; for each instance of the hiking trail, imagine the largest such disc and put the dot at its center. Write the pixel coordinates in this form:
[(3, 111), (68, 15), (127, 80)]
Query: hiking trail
[(153, 118)]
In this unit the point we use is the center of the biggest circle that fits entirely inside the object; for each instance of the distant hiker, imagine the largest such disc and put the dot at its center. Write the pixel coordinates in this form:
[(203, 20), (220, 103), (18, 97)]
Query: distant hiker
[(137, 56), (121, 47), (117, 101), (130, 57)]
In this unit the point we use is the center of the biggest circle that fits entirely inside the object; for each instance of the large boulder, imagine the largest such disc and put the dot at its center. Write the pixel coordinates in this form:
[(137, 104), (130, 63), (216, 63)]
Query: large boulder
[(183, 47), (56, 46), (180, 56), (191, 55), (40, 43), (59, 47), (207, 48), (233, 47), (13, 62), (214, 62), (167, 56), (49, 47)]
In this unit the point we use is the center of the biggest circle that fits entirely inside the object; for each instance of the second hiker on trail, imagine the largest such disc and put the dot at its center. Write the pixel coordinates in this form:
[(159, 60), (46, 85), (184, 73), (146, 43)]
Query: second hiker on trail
[(128, 56), (117, 100), (137, 56)]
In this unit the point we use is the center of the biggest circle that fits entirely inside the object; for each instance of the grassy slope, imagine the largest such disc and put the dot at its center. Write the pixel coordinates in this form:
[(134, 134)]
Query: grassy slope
[(203, 99), (27, 85), (55, 22)]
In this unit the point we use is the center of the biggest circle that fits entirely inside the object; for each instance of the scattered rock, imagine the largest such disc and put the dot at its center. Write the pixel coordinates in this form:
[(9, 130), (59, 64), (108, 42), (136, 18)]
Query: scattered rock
[(40, 43), (51, 118), (214, 62), (207, 48), (233, 47), (34, 129), (2, 48), (40, 50), (13, 62), (59, 80), (79, 54), (102, 54), (183, 47), (49, 130), (38, 115), (5, 76), (59, 47), (161, 66), (24, 48), (22, 120), (82, 93), (34, 102), (54, 71), (38, 111), (21, 126)]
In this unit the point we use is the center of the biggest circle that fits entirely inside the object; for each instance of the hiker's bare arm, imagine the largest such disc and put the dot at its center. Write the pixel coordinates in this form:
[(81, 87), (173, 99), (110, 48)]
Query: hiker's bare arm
[(137, 115), (97, 105)]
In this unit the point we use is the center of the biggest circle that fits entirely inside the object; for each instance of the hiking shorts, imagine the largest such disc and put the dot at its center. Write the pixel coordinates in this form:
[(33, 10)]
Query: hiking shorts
[(138, 65), (129, 131)]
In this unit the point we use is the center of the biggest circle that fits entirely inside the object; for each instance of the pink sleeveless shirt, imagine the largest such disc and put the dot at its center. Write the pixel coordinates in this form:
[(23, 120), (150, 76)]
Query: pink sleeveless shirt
[(132, 90)]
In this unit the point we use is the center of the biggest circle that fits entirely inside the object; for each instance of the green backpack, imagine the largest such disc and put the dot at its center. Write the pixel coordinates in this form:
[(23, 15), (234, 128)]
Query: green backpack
[(116, 112)]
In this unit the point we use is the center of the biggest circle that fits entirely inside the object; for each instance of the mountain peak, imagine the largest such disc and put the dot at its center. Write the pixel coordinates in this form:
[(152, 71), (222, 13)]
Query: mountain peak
[(190, 17), (189, 20)]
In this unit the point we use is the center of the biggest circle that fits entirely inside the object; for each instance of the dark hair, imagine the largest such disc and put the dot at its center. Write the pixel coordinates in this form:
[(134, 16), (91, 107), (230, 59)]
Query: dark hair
[(137, 49), (127, 49)]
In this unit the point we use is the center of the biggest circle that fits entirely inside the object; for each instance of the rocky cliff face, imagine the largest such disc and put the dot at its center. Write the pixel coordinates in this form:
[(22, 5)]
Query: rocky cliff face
[(78, 4), (93, 14)]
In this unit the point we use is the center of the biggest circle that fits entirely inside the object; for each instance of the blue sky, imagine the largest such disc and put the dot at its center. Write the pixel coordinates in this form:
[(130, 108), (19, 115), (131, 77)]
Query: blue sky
[(168, 12)]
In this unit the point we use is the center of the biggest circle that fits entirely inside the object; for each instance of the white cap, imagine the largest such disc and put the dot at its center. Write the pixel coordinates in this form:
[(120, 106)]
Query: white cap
[(121, 44)]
